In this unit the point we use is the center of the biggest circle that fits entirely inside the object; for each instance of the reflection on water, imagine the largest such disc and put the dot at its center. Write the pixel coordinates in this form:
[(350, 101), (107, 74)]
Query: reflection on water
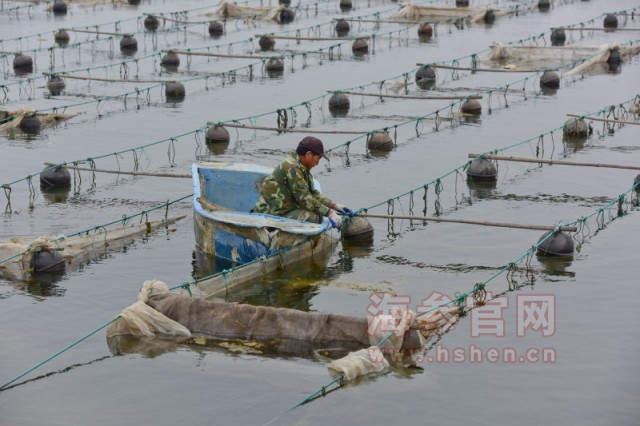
[(573, 143), (556, 265), (482, 189), (55, 195)]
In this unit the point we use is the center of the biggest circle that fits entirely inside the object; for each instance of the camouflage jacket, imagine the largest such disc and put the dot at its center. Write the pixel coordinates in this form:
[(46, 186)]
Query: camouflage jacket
[(288, 188)]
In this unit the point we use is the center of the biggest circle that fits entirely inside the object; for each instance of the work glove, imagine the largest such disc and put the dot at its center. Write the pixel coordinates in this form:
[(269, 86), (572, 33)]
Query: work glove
[(335, 220), (346, 211)]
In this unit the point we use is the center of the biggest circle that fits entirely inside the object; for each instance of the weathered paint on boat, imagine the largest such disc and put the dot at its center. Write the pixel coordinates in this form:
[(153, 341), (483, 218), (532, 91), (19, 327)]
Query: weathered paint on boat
[(223, 197)]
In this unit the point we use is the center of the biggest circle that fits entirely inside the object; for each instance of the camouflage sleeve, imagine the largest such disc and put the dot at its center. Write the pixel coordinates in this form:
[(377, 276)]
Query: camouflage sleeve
[(305, 195)]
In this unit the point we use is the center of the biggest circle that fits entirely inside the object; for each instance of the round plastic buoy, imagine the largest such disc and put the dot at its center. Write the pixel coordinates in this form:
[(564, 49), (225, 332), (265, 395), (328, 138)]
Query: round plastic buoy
[(614, 57), (287, 16), (544, 5), (22, 63), (342, 27), (151, 23), (425, 31), (266, 43), (174, 91), (558, 37), (61, 38), (48, 261), (31, 124), (489, 17), (360, 46), (358, 229), (170, 59), (558, 244), (636, 183), (575, 127), (462, 3), (216, 29), (134, 2), (380, 141), (345, 5), (425, 77), (482, 169), (471, 106), (339, 101), (284, 2), (55, 177), (128, 44), (610, 21), (217, 134), (59, 7), (55, 85), (274, 64), (550, 79)]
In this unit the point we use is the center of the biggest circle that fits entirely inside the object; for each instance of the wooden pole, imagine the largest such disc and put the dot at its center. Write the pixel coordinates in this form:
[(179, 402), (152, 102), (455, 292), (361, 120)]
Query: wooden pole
[(603, 119), (598, 29), (386, 21), (559, 162), (449, 67), (112, 80), (278, 129), (224, 55), (471, 222), (283, 37), (98, 32), (379, 95), (122, 172)]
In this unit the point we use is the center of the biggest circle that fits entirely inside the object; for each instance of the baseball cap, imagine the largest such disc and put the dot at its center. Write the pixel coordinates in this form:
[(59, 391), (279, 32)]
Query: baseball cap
[(312, 144)]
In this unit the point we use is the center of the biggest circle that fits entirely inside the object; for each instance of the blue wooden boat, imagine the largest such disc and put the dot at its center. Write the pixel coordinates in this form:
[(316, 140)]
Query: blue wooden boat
[(224, 194)]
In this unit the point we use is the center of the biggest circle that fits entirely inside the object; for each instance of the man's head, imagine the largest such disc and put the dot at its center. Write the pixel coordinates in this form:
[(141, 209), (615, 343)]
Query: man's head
[(310, 150)]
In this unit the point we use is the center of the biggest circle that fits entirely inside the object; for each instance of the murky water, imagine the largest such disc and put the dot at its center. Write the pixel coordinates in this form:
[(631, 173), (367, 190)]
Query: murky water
[(593, 380)]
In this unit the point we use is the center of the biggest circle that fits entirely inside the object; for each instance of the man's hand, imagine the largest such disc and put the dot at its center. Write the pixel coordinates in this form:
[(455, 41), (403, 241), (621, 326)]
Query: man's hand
[(336, 221), (344, 210)]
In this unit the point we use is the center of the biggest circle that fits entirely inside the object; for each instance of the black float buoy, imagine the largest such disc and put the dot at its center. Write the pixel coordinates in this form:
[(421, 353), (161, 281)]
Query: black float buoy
[(358, 229), (345, 5), (489, 17), (151, 23), (610, 21), (482, 169), (558, 37), (59, 7), (274, 66), (286, 16), (550, 79), (174, 91), (575, 128), (128, 44), (22, 64), (636, 183), (360, 46), (471, 106), (217, 134), (614, 57), (425, 77), (342, 27), (31, 124), (266, 43), (55, 177), (216, 29), (55, 85), (558, 244), (170, 60), (61, 38), (380, 141), (425, 31), (544, 5), (284, 2), (134, 2), (48, 261), (339, 104), (462, 3)]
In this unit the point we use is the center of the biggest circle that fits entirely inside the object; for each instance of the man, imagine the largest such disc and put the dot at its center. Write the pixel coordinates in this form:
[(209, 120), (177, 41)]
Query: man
[(289, 190)]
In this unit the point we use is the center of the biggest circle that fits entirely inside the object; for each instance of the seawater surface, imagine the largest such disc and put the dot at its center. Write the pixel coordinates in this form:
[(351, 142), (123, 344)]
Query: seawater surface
[(593, 377)]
